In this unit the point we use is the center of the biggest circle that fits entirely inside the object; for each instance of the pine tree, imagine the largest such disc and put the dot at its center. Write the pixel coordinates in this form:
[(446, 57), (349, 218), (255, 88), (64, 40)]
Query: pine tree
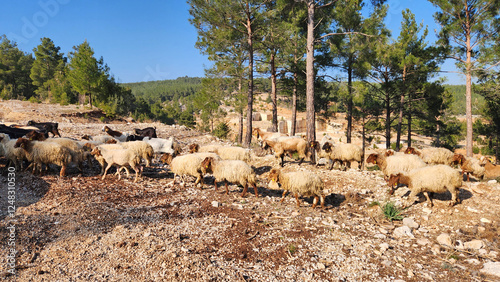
[(48, 61), (84, 73)]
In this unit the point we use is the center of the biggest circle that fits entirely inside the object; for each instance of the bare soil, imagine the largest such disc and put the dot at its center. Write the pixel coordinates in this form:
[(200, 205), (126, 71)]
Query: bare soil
[(83, 228)]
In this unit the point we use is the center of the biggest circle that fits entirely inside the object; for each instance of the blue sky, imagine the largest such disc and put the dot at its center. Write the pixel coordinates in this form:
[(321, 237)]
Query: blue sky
[(142, 40)]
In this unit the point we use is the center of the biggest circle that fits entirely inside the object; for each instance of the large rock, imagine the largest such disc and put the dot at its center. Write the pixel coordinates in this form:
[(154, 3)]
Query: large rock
[(491, 268), (410, 223), (474, 245), (403, 231), (445, 240)]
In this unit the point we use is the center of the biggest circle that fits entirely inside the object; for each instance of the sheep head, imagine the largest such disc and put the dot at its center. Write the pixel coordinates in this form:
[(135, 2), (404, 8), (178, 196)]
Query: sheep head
[(372, 158), (96, 152), (327, 147), (111, 141), (166, 158), (389, 153), (88, 146), (106, 128), (21, 143), (413, 151), (274, 175), (393, 179), (255, 132), (193, 148), (86, 137), (33, 135), (315, 145), (458, 159), (207, 163), (265, 145)]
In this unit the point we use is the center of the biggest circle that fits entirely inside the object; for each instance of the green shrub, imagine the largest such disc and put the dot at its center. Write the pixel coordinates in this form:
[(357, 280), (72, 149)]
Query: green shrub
[(34, 99), (221, 130), (392, 212)]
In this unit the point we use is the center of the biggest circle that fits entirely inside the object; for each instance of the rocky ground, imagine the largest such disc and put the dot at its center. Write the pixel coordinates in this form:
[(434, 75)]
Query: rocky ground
[(82, 228)]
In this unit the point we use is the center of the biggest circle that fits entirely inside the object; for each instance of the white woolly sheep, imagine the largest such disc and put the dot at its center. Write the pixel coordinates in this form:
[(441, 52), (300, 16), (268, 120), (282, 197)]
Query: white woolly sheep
[(343, 153), (121, 157), (305, 183), (14, 155), (395, 164), (435, 178), (433, 155), (189, 164), (289, 146), (78, 152), (469, 165), (212, 148), (235, 171), (141, 148), (41, 152), (234, 153), (99, 139)]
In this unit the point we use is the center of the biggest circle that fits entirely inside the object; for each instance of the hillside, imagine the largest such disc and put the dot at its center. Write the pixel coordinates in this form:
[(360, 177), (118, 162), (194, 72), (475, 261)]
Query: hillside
[(81, 227)]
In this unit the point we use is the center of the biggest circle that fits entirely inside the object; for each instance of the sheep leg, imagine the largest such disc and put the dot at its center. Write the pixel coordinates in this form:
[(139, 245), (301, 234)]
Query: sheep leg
[(283, 197), (454, 196), (136, 173), (227, 189), (282, 160), (198, 180), (411, 198), (315, 201), (245, 188), (62, 173), (322, 199), (106, 171), (301, 160), (428, 199), (297, 199), (255, 190), (215, 185)]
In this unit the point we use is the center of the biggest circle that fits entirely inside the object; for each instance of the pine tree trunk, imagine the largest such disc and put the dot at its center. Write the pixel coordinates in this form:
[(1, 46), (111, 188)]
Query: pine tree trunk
[(409, 118), (387, 117), (310, 112), (294, 103), (248, 135), (274, 126), (468, 99), (401, 106), (349, 101), (240, 132)]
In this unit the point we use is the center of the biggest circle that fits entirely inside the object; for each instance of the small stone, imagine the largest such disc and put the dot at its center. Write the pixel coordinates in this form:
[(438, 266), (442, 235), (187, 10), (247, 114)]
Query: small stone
[(444, 239), (436, 249), (427, 210), (491, 268), (380, 236), (474, 245), (320, 266), (472, 210), (410, 273), (387, 262), (423, 241), (481, 229), (403, 231), (493, 254), (410, 223), (383, 230), (425, 217), (472, 261), (294, 214), (482, 252), (185, 250), (485, 220), (383, 247), (492, 181), (215, 204)]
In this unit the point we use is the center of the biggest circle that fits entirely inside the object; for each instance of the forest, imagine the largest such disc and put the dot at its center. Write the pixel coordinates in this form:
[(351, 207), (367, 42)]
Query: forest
[(325, 56)]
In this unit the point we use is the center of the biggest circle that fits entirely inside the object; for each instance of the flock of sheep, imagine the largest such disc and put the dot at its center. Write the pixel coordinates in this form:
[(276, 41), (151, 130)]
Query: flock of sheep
[(427, 170)]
